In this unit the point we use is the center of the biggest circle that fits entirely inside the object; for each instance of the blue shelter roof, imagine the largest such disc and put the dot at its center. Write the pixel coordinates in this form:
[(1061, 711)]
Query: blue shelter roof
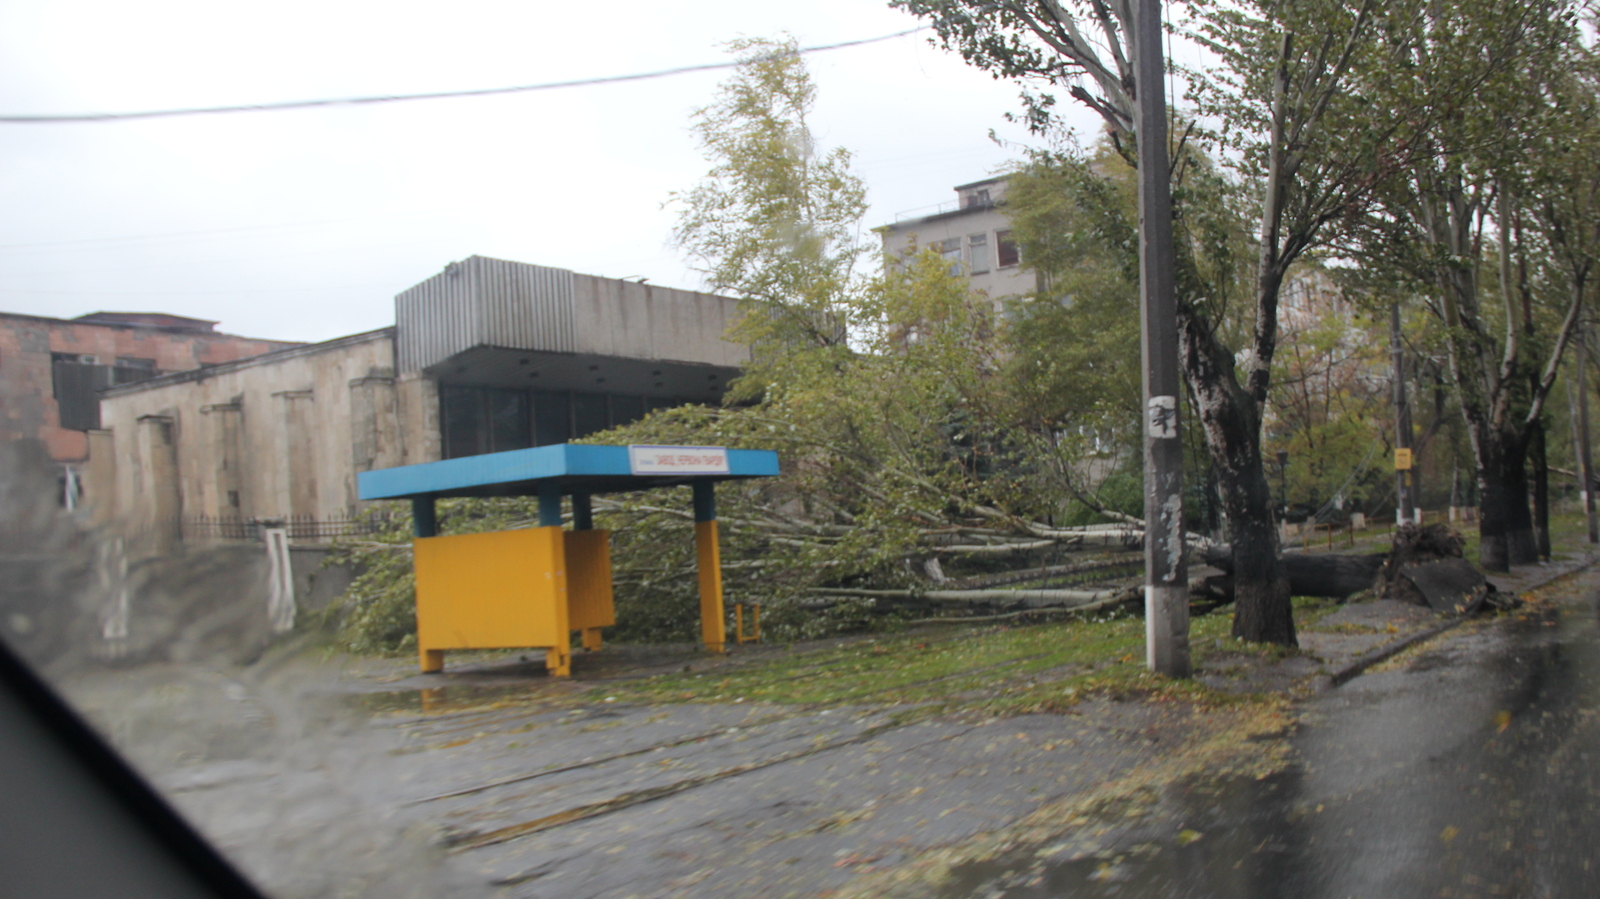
[(577, 468)]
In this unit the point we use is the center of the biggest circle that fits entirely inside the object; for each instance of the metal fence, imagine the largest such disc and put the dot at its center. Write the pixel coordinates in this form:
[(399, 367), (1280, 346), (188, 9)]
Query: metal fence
[(301, 528)]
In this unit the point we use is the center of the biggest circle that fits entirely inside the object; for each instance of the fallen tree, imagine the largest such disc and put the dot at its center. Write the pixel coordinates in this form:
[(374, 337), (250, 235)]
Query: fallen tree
[(1329, 575), (998, 604)]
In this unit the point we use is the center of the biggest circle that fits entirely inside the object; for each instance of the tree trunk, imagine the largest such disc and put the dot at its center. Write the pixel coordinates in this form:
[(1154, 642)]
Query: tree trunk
[(1231, 422), (1521, 542), (1493, 553), (1261, 611), (1505, 523), (1541, 490)]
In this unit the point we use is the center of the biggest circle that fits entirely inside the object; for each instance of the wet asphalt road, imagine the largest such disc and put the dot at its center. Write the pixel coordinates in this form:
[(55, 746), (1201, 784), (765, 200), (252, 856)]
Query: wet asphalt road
[(1468, 770)]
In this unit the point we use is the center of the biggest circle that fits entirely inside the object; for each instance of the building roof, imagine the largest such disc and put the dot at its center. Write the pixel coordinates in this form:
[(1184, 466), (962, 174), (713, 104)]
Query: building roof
[(164, 320), (211, 371), (995, 180), (95, 320)]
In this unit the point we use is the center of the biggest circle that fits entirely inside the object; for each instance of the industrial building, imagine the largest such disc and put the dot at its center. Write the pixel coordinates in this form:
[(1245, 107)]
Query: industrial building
[(488, 355), (52, 369)]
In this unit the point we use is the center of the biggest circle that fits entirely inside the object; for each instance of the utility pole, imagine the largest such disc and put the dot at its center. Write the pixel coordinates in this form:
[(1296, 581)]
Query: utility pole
[(1166, 579), (1405, 507), (1585, 465)]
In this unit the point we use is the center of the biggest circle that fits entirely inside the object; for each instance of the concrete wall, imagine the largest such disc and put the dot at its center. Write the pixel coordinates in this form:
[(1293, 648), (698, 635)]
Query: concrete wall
[(277, 436), (643, 321), (27, 397), (417, 404)]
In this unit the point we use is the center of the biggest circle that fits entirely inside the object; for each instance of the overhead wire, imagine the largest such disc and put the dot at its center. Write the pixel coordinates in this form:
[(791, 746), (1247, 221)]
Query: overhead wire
[(435, 95)]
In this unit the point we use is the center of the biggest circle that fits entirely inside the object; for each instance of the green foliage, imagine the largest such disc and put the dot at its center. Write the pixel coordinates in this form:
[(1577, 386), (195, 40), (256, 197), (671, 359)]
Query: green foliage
[(1076, 342), (1330, 402), (774, 222)]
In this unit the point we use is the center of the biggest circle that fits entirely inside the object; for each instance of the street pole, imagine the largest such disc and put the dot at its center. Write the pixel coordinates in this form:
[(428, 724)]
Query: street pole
[(1404, 504), (1283, 483), (1166, 581)]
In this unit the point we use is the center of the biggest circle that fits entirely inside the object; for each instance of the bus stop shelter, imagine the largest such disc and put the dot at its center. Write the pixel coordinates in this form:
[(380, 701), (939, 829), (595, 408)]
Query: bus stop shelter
[(532, 587)]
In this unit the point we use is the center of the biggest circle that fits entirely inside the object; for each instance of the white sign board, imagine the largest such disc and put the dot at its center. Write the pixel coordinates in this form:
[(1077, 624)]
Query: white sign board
[(678, 459)]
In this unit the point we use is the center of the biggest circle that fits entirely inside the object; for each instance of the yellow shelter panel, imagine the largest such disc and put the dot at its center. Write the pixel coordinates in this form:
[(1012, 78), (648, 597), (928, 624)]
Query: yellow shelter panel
[(589, 598), (502, 589)]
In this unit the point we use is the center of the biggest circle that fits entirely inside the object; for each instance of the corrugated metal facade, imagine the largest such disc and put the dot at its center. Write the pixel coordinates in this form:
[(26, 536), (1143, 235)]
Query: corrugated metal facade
[(484, 302)]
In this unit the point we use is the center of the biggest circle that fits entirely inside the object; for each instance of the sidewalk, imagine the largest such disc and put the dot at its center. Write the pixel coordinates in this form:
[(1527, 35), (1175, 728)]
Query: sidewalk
[(1339, 645)]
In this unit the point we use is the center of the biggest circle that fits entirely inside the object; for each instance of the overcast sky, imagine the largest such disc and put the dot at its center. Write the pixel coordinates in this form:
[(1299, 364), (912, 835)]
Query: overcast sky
[(303, 225)]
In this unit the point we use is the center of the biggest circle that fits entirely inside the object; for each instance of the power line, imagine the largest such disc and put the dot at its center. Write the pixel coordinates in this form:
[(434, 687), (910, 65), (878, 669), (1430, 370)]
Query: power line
[(400, 98), (210, 232)]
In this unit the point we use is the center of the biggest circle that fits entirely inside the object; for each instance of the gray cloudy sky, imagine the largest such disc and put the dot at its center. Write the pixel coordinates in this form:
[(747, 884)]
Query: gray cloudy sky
[(304, 224)]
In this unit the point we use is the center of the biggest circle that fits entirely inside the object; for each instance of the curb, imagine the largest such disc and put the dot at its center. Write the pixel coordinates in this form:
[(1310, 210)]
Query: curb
[(1372, 657)]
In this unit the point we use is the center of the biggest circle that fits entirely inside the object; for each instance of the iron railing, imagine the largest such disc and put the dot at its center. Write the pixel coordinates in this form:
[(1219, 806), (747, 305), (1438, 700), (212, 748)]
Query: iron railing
[(302, 528)]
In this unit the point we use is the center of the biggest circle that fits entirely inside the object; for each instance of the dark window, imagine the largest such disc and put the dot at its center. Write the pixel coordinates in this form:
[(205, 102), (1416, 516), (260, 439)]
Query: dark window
[(130, 369), (1006, 250), (552, 417), (458, 414), (589, 414), (76, 381), (479, 420), (626, 410), (509, 427)]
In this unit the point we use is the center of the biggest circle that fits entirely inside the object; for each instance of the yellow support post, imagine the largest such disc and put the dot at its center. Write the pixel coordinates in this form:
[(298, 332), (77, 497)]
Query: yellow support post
[(708, 555), (740, 634)]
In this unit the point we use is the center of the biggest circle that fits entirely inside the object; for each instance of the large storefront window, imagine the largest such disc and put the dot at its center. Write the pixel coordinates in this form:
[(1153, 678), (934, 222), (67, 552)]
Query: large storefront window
[(478, 420)]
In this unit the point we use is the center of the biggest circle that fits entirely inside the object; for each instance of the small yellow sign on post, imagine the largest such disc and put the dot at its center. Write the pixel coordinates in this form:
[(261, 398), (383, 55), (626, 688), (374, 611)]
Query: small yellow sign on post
[(1402, 459)]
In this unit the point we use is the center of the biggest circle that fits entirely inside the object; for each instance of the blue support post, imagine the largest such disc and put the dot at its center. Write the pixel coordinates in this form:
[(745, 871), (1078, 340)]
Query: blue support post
[(424, 523), (582, 512), (705, 500), (549, 504)]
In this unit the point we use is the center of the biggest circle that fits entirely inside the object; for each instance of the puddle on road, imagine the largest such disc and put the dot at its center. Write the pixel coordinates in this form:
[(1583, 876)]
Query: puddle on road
[(1228, 838), (451, 698), (1254, 838)]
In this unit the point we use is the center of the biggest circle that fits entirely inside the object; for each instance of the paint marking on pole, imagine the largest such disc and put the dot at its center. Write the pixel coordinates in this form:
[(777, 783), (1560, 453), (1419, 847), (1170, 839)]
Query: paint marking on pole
[(1162, 423), (1172, 521)]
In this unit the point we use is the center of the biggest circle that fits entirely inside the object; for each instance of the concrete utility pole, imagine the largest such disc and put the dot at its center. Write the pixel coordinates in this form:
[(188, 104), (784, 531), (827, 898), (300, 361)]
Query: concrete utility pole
[(1404, 503), (1585, 463), (1166, 580)]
